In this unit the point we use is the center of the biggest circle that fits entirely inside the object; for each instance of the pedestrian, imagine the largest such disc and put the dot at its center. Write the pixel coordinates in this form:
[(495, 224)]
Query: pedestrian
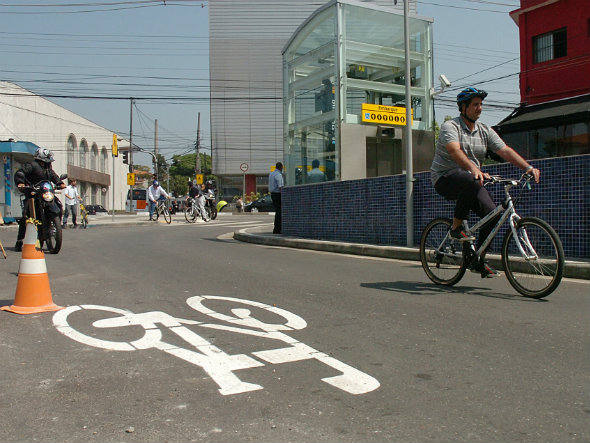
[(316, 175), (72, 199), (275, 185)]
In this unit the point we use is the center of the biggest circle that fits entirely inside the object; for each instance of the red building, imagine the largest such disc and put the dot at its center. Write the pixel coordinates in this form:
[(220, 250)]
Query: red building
[(554, 49), (553, 119)]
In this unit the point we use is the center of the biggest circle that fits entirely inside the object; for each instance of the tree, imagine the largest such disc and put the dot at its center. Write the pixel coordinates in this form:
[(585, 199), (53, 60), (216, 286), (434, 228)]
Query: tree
[(162, 166), (182, 170)]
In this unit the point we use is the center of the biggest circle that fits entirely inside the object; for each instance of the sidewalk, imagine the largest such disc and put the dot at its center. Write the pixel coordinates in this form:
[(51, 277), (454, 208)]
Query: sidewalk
[(573, 269), (122, 220)]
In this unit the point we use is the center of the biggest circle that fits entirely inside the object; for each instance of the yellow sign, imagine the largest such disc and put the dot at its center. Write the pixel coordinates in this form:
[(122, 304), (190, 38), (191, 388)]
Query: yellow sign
[(115, 146), (199, 178), (384, 115), (130, 179)]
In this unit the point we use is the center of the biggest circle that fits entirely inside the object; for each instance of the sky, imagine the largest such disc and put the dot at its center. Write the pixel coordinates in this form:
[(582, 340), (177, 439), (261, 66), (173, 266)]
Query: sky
[(145, 49)]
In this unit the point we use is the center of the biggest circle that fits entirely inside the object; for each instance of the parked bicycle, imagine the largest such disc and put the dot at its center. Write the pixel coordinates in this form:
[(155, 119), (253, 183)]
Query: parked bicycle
[(163, 209), (532, 253)]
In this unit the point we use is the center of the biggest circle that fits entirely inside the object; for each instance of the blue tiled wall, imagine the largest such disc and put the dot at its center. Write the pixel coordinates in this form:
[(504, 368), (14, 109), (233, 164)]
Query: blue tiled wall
[(373, 210)]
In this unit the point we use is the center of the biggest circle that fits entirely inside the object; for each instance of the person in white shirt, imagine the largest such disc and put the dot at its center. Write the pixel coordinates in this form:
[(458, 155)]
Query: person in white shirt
[(72, 199), (316, 175), (154, 193)]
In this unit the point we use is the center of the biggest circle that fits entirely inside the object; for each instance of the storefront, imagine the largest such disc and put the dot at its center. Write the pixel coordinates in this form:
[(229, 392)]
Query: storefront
[(13, 155), (344, 94)]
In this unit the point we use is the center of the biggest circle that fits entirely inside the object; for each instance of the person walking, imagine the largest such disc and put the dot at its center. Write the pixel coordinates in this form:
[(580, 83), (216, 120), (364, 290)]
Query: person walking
[(72, 199), (275, 185)]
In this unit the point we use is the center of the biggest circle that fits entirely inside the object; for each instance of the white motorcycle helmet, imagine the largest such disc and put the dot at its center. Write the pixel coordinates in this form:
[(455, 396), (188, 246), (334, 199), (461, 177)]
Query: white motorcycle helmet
[(43, 155)]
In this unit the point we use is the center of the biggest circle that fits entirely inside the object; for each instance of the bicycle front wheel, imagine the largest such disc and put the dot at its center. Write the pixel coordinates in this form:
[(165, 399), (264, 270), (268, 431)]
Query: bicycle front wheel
[(84, 221), (534, 259), (189, 214), (441, 256), (166, 214)]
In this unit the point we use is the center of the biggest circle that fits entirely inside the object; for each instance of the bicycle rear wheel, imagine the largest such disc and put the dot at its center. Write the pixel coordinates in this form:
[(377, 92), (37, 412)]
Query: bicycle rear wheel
[(441, 257), (538, 271)]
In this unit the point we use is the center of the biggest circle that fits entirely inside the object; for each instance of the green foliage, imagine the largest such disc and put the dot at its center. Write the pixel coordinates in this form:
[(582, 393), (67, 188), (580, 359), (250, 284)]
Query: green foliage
[(182, 170)]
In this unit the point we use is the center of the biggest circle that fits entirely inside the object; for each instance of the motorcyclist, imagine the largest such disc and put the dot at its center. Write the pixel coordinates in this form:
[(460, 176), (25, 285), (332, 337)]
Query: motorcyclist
[(28, 175)]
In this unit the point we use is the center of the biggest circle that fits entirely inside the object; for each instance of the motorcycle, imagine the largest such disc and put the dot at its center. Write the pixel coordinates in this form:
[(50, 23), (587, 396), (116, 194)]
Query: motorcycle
[(210, 205), (48, 210)]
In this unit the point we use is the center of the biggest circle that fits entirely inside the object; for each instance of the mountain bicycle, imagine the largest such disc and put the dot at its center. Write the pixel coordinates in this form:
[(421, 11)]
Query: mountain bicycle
[(532, 253), (162, 208), (192, 211), (83, 215)]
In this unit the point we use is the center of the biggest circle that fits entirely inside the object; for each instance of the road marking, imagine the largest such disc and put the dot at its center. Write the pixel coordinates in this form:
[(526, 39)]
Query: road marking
[(217, 364)]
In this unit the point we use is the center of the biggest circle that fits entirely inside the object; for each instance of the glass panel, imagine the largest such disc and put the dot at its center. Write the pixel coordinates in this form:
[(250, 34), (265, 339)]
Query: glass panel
[(83, 154), (103, 161), (313, 149), (94, 158), (71, 150)]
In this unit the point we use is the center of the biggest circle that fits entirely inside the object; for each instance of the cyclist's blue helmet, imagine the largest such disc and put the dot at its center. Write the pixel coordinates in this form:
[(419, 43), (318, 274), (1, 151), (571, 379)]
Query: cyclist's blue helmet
[(156, 183), (468, 93)]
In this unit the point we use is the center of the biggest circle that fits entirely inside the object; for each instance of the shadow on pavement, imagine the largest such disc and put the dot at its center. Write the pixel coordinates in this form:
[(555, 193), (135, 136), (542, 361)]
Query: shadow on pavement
[(423, 288)]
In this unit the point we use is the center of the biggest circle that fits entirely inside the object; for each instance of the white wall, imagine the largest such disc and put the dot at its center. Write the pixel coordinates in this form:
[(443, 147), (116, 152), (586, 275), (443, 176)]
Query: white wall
[(37, 120)]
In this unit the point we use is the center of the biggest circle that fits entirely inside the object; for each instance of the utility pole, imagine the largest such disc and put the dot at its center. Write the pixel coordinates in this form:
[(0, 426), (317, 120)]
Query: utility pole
[(131, 152), (409, 160), (156, 148), (198, 145)]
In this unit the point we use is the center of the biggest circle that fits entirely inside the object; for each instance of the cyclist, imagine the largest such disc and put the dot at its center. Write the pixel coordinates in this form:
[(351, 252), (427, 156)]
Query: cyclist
[(155, 193), (30, 174), (197, 192), (456, 169)]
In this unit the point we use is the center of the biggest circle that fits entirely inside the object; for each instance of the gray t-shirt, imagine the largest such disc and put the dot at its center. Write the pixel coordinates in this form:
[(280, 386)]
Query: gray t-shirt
[(473, 143)]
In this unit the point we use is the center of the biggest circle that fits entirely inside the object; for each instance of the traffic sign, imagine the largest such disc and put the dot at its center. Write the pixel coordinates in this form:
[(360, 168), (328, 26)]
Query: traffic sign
[(199, 179), (115, 146), (244, 167), (384, 115), (131, 178)]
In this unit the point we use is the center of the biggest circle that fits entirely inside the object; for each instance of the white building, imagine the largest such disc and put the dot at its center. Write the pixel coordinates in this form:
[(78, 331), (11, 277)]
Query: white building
[(245, 60), (82, 149)]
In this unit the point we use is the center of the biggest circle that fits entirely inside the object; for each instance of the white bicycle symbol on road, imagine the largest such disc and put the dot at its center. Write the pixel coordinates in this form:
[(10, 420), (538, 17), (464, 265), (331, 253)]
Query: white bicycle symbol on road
[(219, 365)]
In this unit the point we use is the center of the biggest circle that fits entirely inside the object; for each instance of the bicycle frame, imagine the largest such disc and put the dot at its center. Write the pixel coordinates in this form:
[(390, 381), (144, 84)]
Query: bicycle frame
[(508, 212)]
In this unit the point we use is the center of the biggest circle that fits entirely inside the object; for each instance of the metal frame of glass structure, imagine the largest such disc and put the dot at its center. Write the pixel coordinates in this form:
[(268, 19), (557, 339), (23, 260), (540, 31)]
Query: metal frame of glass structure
[(345, 54)]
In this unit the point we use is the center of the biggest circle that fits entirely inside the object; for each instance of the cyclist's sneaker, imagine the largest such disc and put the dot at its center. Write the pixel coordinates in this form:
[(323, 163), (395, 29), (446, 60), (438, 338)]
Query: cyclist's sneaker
[(484, 268), (460, 234)]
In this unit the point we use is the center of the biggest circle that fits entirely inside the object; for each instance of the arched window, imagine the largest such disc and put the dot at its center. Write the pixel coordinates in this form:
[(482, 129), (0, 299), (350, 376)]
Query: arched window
[(83, 153), (84, 192), (94, 157), (71, 148), (94, 196), (103, 160)]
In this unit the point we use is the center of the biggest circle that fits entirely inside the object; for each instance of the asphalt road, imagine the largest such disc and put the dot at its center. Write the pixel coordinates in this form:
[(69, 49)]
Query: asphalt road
[(368, 349)]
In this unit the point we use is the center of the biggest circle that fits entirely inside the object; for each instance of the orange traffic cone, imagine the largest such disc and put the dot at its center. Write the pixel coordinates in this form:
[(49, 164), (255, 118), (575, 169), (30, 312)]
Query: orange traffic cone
[(33, 294)]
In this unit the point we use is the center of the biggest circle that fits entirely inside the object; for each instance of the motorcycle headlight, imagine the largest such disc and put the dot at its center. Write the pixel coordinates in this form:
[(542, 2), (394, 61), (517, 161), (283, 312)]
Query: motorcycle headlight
[(48, 196)]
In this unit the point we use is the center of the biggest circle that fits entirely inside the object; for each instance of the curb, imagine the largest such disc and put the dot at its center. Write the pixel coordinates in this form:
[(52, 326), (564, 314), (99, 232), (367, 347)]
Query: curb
[(572, 269)]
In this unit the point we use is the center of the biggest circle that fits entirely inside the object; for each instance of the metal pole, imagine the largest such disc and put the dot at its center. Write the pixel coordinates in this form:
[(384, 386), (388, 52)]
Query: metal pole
[(198, 146), (131, 152), (113, 175), (409, 160), (156, 148)]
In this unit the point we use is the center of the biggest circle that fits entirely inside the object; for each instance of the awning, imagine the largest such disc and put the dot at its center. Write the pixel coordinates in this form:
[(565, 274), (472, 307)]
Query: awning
[(18, 147), (541, 115)]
